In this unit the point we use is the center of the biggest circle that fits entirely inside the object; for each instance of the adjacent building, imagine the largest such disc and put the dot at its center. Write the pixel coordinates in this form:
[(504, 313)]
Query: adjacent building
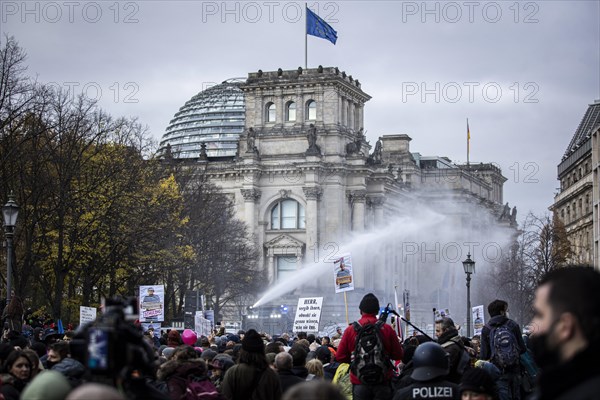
[(577, 200)]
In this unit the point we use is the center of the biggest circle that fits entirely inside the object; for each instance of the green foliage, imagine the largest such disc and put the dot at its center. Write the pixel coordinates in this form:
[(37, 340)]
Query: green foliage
[(99, 218)]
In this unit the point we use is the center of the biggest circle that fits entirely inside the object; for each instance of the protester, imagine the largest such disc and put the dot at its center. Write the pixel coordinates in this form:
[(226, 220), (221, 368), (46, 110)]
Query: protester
[(251, 377), (477, 384), (48, 385), (184, 365), (16, 374), (314, 390), (283, 365), (95, 391), (565, 338), (448, 338), (369, 307), (315, 368), (502, 344)]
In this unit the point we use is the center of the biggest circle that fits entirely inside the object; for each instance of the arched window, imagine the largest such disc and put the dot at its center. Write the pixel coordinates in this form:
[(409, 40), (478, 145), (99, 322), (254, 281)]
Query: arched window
[(311, 110), (287, 214), (290, 111), (270, 112)]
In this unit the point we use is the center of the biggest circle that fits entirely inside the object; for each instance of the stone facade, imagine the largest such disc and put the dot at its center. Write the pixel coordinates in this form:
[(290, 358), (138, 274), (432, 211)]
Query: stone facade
[(306, 181), (573, 204)]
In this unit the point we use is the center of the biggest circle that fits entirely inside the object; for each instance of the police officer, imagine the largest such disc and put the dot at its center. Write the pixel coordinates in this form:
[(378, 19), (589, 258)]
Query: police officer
[(431, 367)]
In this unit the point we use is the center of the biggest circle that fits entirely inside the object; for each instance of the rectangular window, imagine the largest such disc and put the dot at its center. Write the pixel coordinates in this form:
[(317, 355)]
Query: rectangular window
[(289, 212), (286, 265), (275, 217)]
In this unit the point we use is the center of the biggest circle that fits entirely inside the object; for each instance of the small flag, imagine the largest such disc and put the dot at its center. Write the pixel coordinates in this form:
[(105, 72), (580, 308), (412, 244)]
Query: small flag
[(316, 26), (468, 141), (468, 131), (60, 329), (398, 324)]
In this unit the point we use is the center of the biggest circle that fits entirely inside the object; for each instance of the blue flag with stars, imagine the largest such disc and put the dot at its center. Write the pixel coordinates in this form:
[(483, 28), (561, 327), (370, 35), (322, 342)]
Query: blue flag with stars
[(316, 26)]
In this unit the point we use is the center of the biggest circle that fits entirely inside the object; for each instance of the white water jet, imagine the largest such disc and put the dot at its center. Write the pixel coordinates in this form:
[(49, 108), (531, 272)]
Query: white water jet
[(358, 245)]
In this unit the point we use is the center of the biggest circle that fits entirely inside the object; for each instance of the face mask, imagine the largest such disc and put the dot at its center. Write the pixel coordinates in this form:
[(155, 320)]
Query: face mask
[(543, 354)]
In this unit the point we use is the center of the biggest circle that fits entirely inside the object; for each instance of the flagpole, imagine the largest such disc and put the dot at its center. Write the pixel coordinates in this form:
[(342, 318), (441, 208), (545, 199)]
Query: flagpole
[(305, 36), (468, 139), (346, 304)]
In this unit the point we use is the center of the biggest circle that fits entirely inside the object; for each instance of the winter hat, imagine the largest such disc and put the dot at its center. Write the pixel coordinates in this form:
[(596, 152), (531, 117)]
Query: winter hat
[(47, 385), (222, 362), (168, 352), (208, 354), (95, 391), (252, 342), (479, 381), (369, 304)]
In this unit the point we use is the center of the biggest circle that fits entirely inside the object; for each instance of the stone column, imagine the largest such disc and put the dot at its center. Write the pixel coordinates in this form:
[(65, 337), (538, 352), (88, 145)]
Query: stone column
[(312, 194), (377, 203), (251, 196), (358, 199)]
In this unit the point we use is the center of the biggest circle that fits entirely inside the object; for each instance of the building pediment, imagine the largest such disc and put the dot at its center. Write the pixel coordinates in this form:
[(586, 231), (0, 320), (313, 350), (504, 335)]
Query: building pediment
[(284, 241)]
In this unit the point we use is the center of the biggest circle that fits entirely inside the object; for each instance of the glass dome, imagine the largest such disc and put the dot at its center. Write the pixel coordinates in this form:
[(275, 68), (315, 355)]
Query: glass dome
[(215, 116)]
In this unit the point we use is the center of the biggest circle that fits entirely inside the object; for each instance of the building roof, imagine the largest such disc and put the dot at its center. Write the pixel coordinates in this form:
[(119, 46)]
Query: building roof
[(589, 122)]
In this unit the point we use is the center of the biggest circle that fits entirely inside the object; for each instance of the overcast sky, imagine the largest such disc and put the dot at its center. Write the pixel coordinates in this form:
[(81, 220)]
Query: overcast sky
[(522, 72)]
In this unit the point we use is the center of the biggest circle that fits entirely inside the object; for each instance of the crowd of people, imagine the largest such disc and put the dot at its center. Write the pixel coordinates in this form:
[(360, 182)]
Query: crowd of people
[(558, 359)]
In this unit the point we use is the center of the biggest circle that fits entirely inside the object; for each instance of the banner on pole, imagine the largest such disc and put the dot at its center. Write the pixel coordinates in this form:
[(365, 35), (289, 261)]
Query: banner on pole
[(202, 326), (308, 314), (152, 303), (478, 319), (343, 275)]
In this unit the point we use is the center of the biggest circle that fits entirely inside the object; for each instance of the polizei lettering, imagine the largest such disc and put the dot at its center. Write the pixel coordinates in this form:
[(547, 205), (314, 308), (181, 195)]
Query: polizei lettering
[(431, 392)]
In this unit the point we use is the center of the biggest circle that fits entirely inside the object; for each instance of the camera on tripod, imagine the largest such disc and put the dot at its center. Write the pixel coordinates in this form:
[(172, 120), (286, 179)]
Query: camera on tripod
[(112, 345)]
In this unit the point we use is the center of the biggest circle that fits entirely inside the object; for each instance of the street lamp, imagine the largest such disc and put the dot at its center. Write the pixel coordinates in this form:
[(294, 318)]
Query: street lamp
[(10, 212), (469, 266)]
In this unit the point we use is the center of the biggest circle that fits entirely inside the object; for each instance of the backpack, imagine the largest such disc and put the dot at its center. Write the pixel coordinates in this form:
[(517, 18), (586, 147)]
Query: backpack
[(342, 380), (504, 348), (465, 358), (201, 389), (369, 362)]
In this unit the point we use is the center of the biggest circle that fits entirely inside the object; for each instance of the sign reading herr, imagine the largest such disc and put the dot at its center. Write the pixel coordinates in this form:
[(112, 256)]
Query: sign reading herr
[(308, 314)]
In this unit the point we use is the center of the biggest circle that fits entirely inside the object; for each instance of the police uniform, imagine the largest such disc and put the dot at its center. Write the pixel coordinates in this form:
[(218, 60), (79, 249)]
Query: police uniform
[(432, 390), (431, 367)]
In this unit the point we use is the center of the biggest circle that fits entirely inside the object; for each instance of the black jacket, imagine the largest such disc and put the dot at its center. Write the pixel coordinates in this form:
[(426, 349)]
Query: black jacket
[(455, 351), (438, 389), (486, 351), (288, 379), (578, 378), (330, 369)]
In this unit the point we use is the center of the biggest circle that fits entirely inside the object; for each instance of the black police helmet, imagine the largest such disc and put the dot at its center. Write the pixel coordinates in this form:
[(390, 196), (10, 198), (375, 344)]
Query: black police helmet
[(430, 361)]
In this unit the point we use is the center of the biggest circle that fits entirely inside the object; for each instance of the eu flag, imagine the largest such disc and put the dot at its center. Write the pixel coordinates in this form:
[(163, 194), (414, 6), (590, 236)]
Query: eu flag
[(316, 26)]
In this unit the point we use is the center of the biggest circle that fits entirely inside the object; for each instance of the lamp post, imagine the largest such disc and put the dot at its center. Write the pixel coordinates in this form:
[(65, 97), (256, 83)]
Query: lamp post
[(10, 212), (469, 266)]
